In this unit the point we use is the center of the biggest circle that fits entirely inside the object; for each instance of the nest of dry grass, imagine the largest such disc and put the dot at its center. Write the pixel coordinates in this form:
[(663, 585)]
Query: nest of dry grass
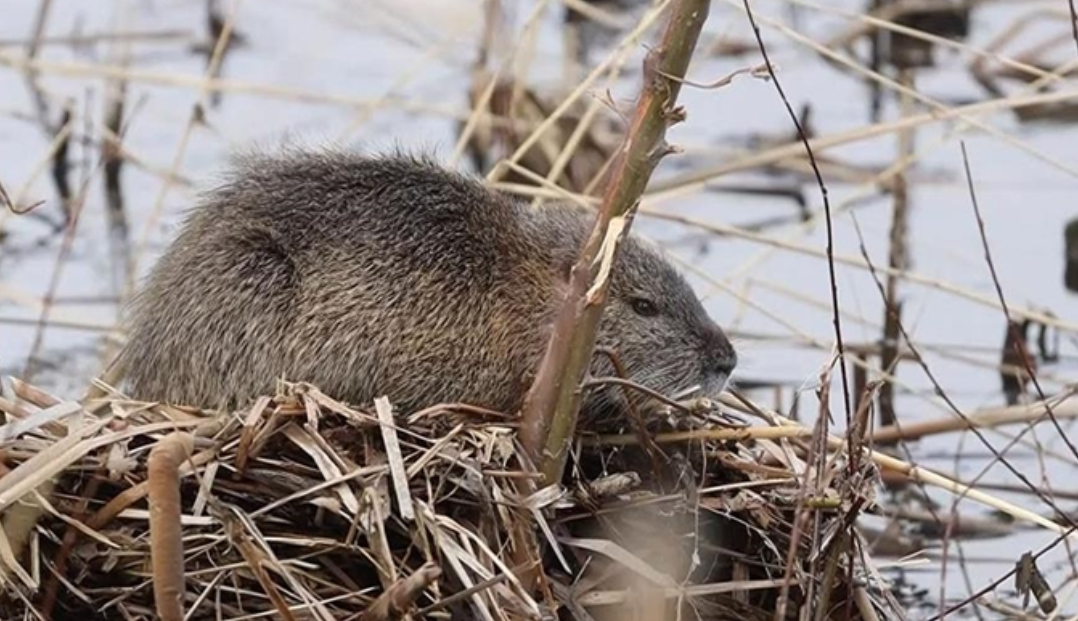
[(302, 507)]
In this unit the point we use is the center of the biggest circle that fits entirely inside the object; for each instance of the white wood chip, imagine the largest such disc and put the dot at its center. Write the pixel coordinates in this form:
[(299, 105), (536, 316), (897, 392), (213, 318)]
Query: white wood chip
[(606, 256)]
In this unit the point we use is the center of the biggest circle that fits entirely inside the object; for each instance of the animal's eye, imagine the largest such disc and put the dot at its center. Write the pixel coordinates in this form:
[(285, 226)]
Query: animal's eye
[(644, 307)]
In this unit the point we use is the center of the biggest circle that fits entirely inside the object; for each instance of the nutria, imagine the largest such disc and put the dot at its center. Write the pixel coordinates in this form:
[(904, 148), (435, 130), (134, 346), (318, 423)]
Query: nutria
[(390, 275)]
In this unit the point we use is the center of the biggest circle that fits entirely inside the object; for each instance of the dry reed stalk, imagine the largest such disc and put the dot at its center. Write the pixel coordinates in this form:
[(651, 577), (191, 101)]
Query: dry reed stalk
[(552, 404), (571, 155), (1065, 407), (914, 472), (84, 326), (165, 530), (84, 39), (212, 66), (909, 49), (1022, 67), (859, 262), (398, 474), (880, 23), (571, 99), (123, 152), (898, 259), (965, 120), (17, 524), (697, 179), (103, 71)]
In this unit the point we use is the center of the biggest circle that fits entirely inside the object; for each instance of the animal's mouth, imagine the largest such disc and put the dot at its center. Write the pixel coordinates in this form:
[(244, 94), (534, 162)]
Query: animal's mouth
[(712, 386)]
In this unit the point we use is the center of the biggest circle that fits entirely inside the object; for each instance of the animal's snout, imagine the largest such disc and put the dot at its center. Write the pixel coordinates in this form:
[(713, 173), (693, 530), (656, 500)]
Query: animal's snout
[(719, 352)]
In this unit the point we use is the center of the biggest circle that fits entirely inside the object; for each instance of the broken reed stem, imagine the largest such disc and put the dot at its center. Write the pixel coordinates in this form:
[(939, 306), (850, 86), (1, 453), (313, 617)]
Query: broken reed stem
[(785, 428), (897, 258), (166, 533), (402, 595), (552, 403), (1065, 407)]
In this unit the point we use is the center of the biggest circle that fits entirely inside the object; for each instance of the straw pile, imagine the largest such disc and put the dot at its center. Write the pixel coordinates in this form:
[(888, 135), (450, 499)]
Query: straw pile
[(302, 507)]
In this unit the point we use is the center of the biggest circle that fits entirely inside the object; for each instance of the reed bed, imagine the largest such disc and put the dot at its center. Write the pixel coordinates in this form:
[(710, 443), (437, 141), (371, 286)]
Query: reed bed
[(303, 507)]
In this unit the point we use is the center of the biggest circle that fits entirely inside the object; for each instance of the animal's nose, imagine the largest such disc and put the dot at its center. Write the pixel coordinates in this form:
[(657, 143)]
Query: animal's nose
[(720, 353), (723, 362)]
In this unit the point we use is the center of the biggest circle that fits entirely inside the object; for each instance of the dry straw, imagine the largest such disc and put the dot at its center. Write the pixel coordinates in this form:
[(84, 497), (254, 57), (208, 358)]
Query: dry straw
[(305, 507)]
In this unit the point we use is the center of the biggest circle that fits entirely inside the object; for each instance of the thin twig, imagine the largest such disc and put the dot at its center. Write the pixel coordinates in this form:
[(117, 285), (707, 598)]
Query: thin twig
[(459, 595), (5, 200), (620, 381), (654, 453), (836, 320), (998, 455), (1023, 355)]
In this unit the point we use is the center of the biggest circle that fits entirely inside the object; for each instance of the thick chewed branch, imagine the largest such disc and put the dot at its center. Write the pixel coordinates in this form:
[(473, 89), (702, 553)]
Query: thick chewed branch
[(550, 411)]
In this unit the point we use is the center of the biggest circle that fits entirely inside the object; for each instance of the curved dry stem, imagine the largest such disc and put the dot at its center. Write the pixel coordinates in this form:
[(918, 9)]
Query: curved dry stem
[(166, 533)]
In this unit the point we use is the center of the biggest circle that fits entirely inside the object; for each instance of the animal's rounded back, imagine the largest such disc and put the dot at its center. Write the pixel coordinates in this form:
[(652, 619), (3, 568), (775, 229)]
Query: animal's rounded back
[(389, 275)]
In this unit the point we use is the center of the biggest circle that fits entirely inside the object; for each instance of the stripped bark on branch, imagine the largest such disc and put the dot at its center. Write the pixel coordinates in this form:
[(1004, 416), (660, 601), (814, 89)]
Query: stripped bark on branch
[(552, 404)]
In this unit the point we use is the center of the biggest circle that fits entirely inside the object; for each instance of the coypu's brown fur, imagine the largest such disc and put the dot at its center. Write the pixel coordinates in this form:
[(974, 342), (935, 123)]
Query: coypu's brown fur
[(389, 275)]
